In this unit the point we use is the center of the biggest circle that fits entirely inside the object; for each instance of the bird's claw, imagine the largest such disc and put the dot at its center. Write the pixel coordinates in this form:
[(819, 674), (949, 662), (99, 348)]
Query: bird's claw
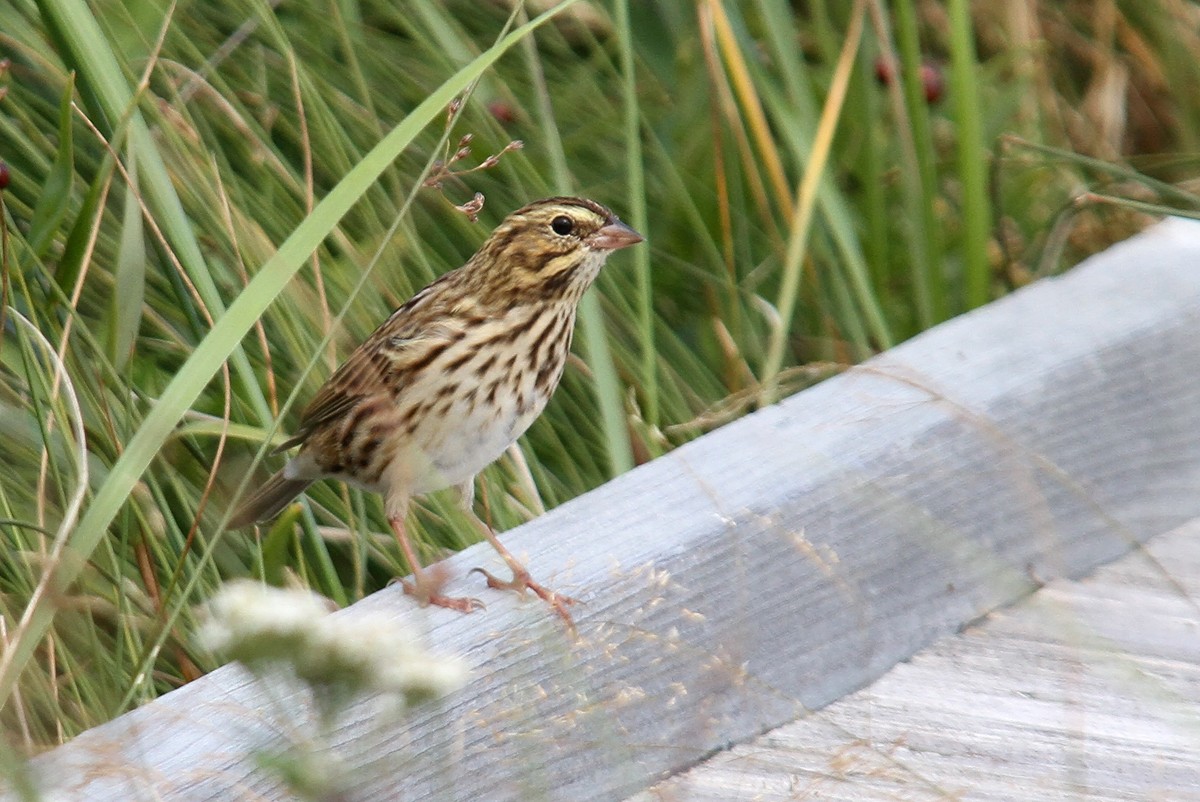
[(521, 582), (425, 597)]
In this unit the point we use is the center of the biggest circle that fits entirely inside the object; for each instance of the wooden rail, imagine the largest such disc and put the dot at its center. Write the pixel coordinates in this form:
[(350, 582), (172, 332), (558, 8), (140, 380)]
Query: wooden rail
[(764, 570), (1087, 690)]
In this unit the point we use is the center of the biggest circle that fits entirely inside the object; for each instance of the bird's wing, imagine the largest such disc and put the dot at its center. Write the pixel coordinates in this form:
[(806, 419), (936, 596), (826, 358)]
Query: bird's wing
[(376, 367)]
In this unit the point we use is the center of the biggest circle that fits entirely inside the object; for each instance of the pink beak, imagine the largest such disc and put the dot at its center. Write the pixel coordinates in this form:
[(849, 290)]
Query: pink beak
[(613, 236)]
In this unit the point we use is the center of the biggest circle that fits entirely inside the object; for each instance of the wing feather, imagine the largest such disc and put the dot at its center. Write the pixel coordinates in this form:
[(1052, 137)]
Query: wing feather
[(376, 367)]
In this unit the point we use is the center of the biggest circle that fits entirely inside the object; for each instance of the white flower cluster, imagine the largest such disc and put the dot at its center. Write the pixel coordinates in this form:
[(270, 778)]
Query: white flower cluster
[(268, 628)]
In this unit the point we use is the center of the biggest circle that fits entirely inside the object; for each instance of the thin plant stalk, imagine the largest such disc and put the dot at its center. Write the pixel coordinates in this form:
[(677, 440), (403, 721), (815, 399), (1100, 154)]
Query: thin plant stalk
[(806, 196)]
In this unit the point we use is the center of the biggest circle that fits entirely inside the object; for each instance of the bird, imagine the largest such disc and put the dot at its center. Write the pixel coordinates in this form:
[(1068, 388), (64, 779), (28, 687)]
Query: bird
[(452, 379)]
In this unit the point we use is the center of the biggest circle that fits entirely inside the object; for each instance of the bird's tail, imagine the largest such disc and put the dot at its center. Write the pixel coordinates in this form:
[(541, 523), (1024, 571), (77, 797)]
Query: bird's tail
[(268, 500)]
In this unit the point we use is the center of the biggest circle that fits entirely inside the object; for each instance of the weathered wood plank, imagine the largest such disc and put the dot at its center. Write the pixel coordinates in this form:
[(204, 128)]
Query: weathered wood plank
[(770, 567), (1089, 689)]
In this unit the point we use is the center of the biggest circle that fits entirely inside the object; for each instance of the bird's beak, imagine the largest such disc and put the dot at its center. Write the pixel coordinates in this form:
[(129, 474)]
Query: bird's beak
[(613, 236)]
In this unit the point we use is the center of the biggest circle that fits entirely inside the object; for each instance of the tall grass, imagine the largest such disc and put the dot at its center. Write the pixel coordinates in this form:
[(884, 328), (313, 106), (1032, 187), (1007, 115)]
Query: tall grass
[(209, 206)]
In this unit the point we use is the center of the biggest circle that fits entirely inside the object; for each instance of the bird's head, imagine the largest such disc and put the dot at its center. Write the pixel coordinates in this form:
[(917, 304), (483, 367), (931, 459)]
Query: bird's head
[(550, 249)]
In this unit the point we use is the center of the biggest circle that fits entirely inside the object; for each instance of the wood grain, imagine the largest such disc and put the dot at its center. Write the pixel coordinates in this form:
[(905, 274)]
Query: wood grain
[(764, 570), (1089, 689)]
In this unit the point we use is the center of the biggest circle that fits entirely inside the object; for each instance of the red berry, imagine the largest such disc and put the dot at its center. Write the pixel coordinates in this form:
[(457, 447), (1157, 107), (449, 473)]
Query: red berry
[(933, 81), (503, 112), (4, 175), (885, 71)]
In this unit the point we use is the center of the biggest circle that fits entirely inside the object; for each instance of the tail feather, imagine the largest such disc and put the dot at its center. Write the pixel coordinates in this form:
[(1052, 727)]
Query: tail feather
[(268, 500)]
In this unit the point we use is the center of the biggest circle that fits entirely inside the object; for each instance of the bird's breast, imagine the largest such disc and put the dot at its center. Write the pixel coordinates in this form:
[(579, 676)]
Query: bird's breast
[(481, 395)]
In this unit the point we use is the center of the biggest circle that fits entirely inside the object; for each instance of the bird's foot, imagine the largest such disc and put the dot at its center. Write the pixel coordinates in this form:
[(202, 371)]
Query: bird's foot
[(522, 581), (427, 596)]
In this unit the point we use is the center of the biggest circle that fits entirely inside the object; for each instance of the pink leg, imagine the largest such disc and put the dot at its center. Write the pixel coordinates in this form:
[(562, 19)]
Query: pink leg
[(422, 588)]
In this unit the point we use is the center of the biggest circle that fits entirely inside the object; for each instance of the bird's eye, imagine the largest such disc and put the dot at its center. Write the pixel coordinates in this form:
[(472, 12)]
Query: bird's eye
[(562, 225)]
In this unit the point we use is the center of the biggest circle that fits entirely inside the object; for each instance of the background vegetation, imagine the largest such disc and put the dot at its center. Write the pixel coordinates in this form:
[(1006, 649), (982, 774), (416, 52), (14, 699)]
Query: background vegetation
[(817, 181)]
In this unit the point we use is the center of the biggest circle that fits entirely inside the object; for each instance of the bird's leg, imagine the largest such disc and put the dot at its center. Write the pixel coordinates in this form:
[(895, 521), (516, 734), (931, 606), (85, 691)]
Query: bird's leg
[(424, 588), (521, 580)]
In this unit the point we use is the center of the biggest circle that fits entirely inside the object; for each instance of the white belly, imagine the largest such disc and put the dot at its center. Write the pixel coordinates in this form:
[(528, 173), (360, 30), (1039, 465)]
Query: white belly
[(465, 442), (452, 444)]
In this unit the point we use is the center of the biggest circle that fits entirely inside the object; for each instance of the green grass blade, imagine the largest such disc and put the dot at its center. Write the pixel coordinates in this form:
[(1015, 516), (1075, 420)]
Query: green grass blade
[(972, 155), (636, 195), (55, 196), (125, 307), (920, 174)]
